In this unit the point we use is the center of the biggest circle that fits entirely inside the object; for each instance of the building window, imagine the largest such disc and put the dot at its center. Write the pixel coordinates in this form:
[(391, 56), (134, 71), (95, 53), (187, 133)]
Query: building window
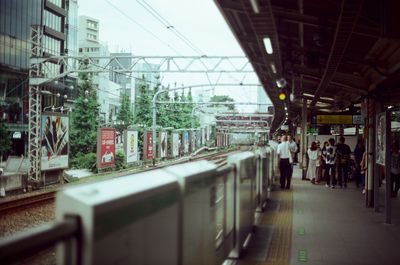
[(91, 25), (91, 36), (52, 21)]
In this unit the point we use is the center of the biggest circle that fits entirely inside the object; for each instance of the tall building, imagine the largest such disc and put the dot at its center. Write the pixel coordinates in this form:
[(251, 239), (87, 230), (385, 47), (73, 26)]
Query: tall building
[(108, 92), (54, 19), (262, 98)]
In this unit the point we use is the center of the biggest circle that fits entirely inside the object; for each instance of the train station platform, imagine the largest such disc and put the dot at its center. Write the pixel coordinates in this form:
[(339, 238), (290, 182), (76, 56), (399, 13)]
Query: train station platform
[(313, 224)]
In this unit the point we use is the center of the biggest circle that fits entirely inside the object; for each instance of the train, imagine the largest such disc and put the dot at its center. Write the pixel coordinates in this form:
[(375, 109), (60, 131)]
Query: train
[(191, 213)]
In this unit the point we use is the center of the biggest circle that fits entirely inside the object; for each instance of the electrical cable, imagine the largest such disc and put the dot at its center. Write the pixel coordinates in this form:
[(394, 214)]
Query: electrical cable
[(142, 27), (170, 27)]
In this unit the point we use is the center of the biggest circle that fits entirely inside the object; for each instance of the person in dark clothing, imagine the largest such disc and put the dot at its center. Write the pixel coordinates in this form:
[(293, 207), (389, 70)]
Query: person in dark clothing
[(358, 155), (343, 161)]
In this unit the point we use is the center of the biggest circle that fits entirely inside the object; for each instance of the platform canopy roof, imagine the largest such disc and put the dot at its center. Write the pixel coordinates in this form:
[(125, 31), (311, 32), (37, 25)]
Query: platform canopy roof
[(331, 53)]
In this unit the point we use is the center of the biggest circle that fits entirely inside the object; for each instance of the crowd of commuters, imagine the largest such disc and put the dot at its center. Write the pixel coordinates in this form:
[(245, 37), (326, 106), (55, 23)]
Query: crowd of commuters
[(333, 162)]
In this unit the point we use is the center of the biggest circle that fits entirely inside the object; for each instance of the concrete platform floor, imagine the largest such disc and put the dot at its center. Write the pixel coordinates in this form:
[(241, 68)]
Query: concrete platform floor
[(312, 224)]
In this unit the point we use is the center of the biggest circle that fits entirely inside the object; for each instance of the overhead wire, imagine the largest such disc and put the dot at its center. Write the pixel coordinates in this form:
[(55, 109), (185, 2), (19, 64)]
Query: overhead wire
[(169, 26), (141, 26)]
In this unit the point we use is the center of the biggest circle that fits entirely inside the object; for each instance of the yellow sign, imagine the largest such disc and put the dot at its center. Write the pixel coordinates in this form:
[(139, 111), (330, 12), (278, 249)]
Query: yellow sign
[(334, 119)]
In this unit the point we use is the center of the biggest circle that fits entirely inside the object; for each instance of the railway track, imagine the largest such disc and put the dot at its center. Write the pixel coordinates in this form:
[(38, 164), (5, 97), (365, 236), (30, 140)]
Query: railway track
[(49, 197), (25, 202)]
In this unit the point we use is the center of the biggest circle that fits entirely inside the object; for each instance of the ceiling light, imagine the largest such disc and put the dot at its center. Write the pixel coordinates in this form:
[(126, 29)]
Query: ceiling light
[(268, 45), (308, 95), (255, 6), (285, 108), (273, 68), (326, 98)]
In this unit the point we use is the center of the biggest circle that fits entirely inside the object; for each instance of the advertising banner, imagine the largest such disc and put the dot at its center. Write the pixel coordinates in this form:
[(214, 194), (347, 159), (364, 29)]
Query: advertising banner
[(381, 138), (105, 147), (203, 136), (54, 141), (175, 144), (149, 145), (186, 142), (198, 133), (163, 144), (131, 146)]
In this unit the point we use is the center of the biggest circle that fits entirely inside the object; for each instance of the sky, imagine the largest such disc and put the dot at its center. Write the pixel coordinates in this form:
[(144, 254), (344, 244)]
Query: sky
[(128, 25)]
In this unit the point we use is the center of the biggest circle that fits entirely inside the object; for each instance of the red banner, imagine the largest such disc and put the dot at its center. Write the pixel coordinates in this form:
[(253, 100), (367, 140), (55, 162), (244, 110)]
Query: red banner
[(106, 147), (149, 145)]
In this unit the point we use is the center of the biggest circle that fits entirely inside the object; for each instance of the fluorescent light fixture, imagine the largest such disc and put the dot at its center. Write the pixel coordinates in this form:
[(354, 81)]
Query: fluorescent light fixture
[(255, 6), (273, 68), (326, 98), (285, 108), (308, 95), (268, 45)]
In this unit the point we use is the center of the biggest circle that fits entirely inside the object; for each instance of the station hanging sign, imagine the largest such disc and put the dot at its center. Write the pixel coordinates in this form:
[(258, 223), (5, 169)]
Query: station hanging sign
[(149, 145), (131, 146), (105, 147), (163, 144), (339, 119), (54, 141)]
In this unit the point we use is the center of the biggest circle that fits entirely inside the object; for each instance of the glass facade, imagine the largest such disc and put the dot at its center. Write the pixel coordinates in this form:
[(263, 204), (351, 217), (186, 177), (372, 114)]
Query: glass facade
[(52, 21), (16, 18)]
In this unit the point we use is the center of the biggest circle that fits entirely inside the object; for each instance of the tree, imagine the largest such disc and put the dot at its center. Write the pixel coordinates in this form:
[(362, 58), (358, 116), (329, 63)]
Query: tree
[(143, 114), (85, 116), (5, 142), (125, 115), (223, 98)]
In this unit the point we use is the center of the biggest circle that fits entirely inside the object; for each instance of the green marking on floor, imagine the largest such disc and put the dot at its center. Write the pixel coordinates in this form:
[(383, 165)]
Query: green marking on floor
[(302, 231), (300, 211), (302, 255)]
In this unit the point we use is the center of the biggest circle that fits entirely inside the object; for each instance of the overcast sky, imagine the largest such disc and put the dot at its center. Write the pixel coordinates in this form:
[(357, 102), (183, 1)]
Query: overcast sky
[(199, 21)]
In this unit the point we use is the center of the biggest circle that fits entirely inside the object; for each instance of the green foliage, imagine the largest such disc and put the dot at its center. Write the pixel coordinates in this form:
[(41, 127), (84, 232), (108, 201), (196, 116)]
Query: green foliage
[(85, 116), (120, 160), (222, 99), (5, 142), (81, 160), (125, 115), (143, 115)]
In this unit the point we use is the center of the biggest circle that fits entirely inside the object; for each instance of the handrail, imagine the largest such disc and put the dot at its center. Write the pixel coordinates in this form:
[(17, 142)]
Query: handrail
[(30, 242)]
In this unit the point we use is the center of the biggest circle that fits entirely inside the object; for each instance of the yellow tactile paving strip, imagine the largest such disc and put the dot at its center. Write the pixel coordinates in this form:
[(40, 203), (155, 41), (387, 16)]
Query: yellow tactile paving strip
[(282, 221)]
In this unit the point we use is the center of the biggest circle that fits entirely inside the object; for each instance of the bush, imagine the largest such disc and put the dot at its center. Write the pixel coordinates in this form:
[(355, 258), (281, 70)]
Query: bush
[(119, 160), (84, 161)]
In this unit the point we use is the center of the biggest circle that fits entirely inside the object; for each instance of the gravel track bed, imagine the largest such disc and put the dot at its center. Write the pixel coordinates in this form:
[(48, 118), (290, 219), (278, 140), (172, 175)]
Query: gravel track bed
[(25, 219)]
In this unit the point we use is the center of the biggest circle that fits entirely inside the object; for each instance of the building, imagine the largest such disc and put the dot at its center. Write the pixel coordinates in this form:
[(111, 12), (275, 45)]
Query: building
[(108, 92), (130, 83), (56, 21)]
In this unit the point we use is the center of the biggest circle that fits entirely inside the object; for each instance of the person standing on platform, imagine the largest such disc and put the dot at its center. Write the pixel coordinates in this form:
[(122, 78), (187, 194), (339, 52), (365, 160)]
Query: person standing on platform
[(293, 150), (285, 160), (330, 161), (313, 155), (358, 155), (395, 169), (343, 158), (323, 160)]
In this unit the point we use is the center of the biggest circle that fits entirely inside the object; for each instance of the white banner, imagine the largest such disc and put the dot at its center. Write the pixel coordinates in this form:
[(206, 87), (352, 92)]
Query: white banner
[(186, 142), (131, 146), (163, 144)]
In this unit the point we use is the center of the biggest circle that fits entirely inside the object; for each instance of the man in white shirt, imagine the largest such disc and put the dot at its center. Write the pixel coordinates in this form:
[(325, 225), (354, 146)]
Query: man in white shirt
[(285, 159)]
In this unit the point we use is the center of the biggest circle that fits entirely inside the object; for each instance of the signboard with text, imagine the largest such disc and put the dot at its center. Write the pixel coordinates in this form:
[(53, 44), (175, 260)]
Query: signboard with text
[(131, 146), (105, 147), (381, 144), (339, 119), (175, 144), (54, 141), (149, 145), (163, 144)]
